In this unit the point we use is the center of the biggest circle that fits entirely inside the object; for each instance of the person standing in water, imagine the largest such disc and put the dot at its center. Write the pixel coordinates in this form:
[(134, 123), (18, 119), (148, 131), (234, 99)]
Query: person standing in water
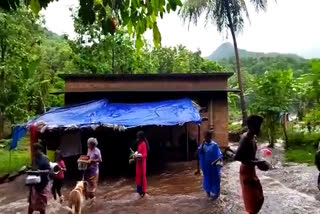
[(91, 175), (141, 163), (211, 162), (39, 193), (252, 192), (58, 177)]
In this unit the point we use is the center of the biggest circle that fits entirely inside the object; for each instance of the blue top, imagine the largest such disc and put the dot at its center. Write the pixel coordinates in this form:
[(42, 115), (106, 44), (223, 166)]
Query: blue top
[(209, 153)]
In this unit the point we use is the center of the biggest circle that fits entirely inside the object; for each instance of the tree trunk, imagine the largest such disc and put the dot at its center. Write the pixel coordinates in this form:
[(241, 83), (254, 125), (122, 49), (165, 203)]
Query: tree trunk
[(238, 67), (286, 140)]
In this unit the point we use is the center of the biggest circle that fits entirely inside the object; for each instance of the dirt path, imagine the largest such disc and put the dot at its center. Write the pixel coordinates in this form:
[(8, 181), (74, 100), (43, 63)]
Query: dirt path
[(288, 190)]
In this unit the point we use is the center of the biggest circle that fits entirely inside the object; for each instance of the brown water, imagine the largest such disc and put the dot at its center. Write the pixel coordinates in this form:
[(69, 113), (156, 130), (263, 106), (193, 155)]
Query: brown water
[(288, 190)]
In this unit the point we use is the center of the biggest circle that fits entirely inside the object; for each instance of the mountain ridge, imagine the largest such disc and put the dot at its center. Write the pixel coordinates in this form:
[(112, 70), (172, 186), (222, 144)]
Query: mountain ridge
[(226, 50)]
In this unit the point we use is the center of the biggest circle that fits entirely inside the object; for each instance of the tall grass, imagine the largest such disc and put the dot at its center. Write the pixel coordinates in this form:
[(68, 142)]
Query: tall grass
[(301, 146)]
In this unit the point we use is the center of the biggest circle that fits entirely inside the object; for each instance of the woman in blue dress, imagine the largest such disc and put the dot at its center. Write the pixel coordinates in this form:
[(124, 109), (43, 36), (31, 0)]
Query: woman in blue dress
[(211, 162)]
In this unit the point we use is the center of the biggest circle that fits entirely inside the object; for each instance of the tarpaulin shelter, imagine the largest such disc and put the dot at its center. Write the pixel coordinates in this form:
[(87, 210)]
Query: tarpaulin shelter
[(116, 115)]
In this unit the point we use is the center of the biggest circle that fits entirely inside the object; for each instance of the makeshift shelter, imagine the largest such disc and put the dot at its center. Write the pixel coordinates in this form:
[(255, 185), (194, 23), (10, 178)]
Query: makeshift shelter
[(209, 90), (114, 115)]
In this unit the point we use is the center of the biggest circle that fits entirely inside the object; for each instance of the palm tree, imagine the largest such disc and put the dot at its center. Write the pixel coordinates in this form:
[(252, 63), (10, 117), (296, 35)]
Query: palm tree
[(225, 14)]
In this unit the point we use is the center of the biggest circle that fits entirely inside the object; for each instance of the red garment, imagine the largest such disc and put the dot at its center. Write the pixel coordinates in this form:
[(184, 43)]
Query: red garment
[(33, 137), (60, 175), (141, 167), (252, 192)]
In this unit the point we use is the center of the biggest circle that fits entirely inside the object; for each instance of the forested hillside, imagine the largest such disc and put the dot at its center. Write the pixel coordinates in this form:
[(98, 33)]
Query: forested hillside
[(32, 57)]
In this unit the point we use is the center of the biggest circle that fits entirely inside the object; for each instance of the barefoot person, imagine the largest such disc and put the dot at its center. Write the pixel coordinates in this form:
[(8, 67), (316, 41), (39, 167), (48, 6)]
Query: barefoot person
[(91, 175), (141, 164), (39, 193), (252, 192), (210, 161), (58, 177)]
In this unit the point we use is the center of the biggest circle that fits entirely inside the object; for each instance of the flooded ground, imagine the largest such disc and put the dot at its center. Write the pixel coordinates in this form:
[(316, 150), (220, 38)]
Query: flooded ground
[(288, 190)]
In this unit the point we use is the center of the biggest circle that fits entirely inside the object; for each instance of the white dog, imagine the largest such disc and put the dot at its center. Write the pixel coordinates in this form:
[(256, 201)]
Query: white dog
[(77, 197)]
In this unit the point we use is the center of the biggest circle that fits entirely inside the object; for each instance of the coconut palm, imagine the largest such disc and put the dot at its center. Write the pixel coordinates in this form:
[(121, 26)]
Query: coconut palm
[(225, 14)]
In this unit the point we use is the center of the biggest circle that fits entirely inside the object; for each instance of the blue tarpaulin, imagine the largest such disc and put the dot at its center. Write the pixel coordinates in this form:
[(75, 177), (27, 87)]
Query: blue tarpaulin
[(101, 112), (18, 133)]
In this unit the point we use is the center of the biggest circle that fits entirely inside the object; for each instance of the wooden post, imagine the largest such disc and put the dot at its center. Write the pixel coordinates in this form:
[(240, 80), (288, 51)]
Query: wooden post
[(211, 125), (198, 161), (187, 142)]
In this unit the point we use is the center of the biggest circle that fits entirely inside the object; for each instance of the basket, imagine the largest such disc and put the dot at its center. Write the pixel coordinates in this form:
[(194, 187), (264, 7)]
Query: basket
[(83, 162)]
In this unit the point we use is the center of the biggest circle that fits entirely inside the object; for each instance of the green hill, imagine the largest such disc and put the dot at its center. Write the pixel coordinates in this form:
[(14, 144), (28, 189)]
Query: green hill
[(226, 50)]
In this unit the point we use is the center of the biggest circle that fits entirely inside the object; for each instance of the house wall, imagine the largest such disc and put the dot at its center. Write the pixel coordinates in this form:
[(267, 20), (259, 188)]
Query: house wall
[(217, 111), (94, 85)]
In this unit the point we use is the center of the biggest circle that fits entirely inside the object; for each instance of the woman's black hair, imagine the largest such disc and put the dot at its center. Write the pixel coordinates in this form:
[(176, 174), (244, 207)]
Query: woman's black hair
[(207, 135), (58, 155), (142, 137)]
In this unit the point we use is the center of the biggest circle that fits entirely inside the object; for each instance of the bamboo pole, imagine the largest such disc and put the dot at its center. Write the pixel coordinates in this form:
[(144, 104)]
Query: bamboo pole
[(187, 131), (198, 161)]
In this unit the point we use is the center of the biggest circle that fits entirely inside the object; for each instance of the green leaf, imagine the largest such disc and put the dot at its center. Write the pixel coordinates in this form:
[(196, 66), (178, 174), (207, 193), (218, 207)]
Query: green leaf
[(129, 27), (35, 6), (97, 2), (139, 43), (156, 35)]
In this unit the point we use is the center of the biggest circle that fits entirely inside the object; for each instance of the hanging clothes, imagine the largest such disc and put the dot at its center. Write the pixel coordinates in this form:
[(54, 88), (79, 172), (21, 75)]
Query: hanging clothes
[(141, 168), (209, 154)]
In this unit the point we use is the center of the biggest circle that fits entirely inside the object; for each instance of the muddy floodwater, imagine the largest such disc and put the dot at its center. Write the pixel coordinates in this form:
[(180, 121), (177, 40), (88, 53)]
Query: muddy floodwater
[(288, 189)]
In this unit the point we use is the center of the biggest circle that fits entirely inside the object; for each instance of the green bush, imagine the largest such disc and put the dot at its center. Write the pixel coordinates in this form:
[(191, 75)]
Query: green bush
[(301, 155), (301, 146), (297, 139), (234, 127)]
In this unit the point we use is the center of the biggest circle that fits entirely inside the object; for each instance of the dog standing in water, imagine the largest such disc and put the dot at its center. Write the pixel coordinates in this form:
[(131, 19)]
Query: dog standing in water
[(77, 197)]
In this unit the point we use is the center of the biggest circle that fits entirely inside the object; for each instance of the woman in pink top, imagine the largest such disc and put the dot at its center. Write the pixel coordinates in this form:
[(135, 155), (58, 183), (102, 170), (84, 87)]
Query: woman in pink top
[(58, 177)]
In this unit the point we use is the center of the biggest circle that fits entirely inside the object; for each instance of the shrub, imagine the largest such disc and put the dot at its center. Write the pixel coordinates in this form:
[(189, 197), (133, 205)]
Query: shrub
[(298, 139)]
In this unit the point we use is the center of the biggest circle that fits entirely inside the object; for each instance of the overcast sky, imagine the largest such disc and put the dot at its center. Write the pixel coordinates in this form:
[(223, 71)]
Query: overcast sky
[(288, 26)]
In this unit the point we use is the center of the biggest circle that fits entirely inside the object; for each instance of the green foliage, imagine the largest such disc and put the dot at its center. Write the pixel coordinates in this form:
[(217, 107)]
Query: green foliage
[(226, 14), (225, 53), (259, 65), (313, 116), (270, 98), (218, 11), (136, 15), (314, 78), (301, 146), (31, 58), (96, 53), (234, 127), (300, 155), (298, 139)]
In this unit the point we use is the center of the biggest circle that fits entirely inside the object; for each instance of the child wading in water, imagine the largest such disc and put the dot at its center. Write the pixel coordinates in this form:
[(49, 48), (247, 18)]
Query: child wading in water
[(58, 177)]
